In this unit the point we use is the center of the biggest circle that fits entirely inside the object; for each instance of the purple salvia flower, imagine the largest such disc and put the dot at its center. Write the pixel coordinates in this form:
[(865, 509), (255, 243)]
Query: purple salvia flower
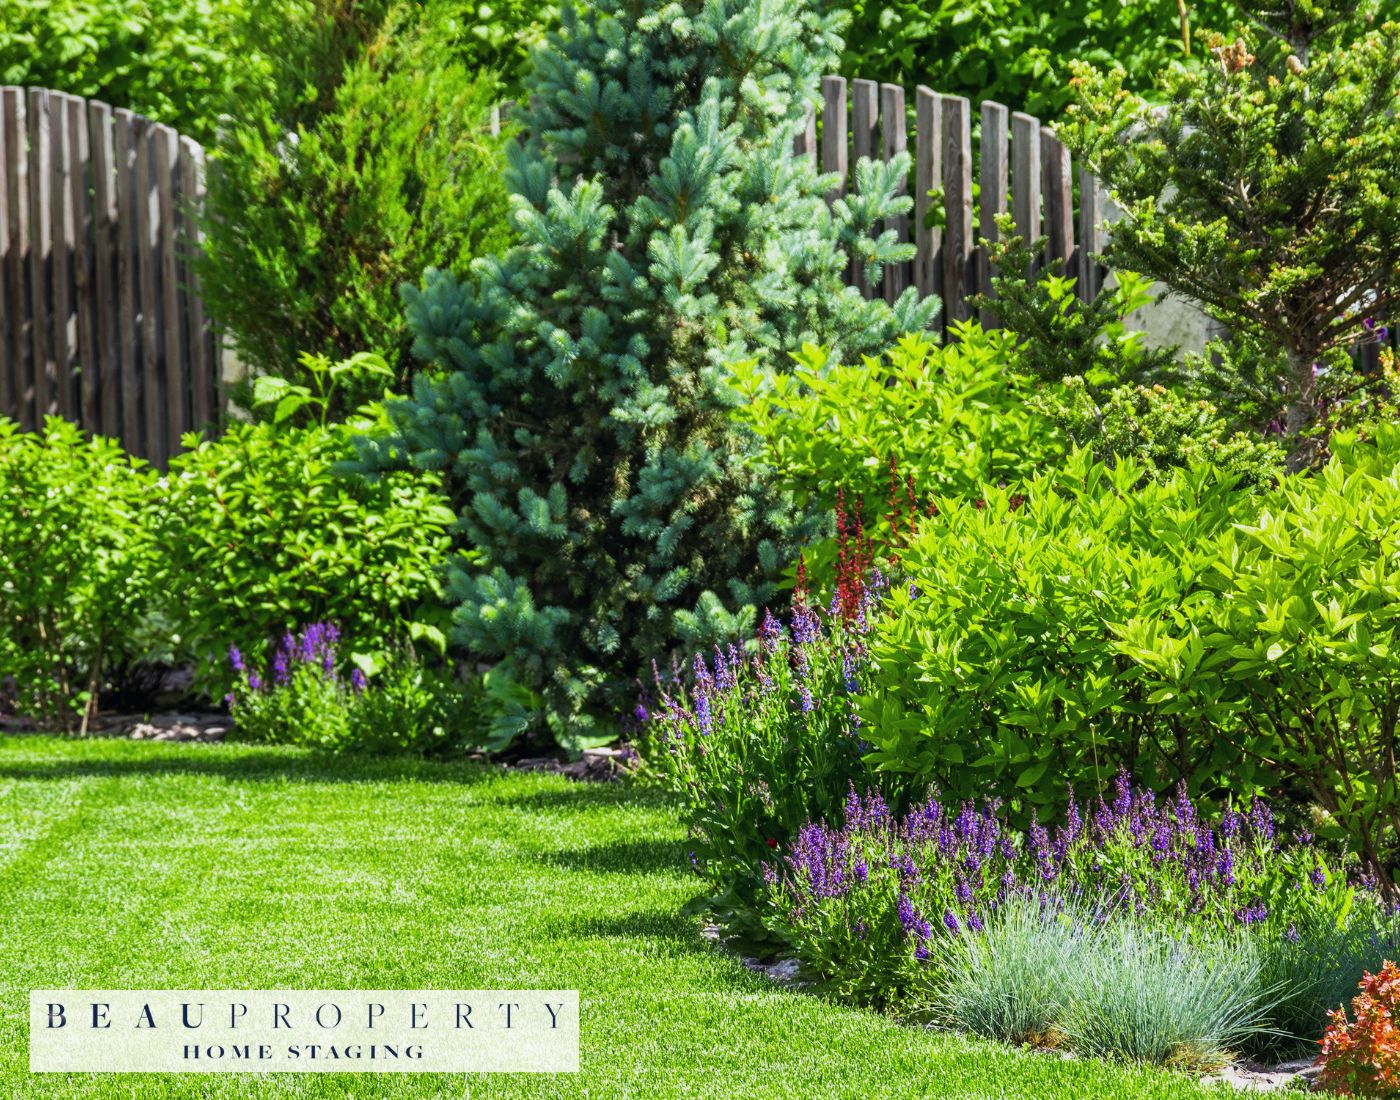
[(235, 659), (770, 632), (805, 627), (357, 680)]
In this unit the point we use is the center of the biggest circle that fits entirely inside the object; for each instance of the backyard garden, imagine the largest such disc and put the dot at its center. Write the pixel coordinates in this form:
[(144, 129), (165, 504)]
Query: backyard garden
[(862, 538)]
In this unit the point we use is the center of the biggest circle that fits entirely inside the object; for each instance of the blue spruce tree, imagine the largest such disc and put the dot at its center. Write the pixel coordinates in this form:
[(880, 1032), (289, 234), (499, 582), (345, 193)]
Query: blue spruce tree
[(578, 401)]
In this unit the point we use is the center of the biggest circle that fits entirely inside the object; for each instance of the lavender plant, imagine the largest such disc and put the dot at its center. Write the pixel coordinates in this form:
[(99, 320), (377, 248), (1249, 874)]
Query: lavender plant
[(863, 901), (764, 739), (308, 696)]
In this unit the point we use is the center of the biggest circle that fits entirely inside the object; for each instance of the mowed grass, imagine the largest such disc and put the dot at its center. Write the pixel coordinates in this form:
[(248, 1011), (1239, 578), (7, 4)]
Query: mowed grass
[(131, 865)]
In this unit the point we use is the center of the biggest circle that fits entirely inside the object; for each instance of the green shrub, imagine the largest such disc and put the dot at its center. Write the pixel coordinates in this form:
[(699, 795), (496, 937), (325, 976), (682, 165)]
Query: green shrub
[(305, 695), (950, 419), (177, 62), (577, 406), (1100, 384), (1162, 429), (75, 565), (311, 228), (262, 534), (1016, 51), (996, 668), (1268, 192), (1290, 656)]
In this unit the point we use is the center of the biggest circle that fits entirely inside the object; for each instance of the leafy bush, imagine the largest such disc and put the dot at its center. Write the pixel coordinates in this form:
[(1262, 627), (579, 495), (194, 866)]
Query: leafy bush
[(176, 62), (310, 229), (262, 533), (1289, 655), (1013, 51), (1099, 383), (75, 565), (951, 419), (996, 668), (1295, 116), (305, 696), (1162, 429), (1361, 1057), (577, 407)]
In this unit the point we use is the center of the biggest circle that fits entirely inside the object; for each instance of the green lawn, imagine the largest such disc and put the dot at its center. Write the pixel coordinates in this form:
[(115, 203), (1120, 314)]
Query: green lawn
[(136, 865)]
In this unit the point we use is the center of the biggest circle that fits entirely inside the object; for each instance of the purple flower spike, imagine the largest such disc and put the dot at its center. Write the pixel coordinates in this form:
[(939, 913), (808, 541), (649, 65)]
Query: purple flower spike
[(357, 681), (235, 659)]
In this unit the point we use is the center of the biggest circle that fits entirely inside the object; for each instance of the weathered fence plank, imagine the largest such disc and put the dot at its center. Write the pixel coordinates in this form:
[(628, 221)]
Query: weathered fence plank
[(894, 141), (124, 130), (148, 292), (84, 306), (957, 189), (835, 141), (1090, 214), (204, 383), (1058, 189), (1025, 176), (865, 143), (14, 254), (103, 369), (41, 252), (995, 180), (928, 180), (175, 377), (100, 320)]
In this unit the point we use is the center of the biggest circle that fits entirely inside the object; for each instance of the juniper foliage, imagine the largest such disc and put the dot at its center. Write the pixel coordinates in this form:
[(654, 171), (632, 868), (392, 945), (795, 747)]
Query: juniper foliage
[(578, 408)]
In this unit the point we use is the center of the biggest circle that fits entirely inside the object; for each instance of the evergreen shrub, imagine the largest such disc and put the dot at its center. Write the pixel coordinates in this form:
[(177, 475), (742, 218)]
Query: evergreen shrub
[(311, 225), (574, 396)]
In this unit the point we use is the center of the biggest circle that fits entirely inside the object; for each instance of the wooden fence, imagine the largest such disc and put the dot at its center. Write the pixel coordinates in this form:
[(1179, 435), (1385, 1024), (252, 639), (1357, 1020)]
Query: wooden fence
[(100, 316), (1021, 167)]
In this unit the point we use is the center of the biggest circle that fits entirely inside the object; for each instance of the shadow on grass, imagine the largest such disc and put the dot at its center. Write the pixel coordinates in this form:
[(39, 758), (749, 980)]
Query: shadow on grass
[(113, 758), (669, 925), (626, 857)]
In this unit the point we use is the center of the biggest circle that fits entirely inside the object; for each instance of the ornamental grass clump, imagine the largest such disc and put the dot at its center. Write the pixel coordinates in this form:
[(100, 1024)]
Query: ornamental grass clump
[(1014, 981), (1147, 994)]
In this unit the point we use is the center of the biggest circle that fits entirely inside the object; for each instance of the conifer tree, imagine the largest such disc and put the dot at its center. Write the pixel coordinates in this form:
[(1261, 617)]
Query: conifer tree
[(1268, 190), (608, 508)]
